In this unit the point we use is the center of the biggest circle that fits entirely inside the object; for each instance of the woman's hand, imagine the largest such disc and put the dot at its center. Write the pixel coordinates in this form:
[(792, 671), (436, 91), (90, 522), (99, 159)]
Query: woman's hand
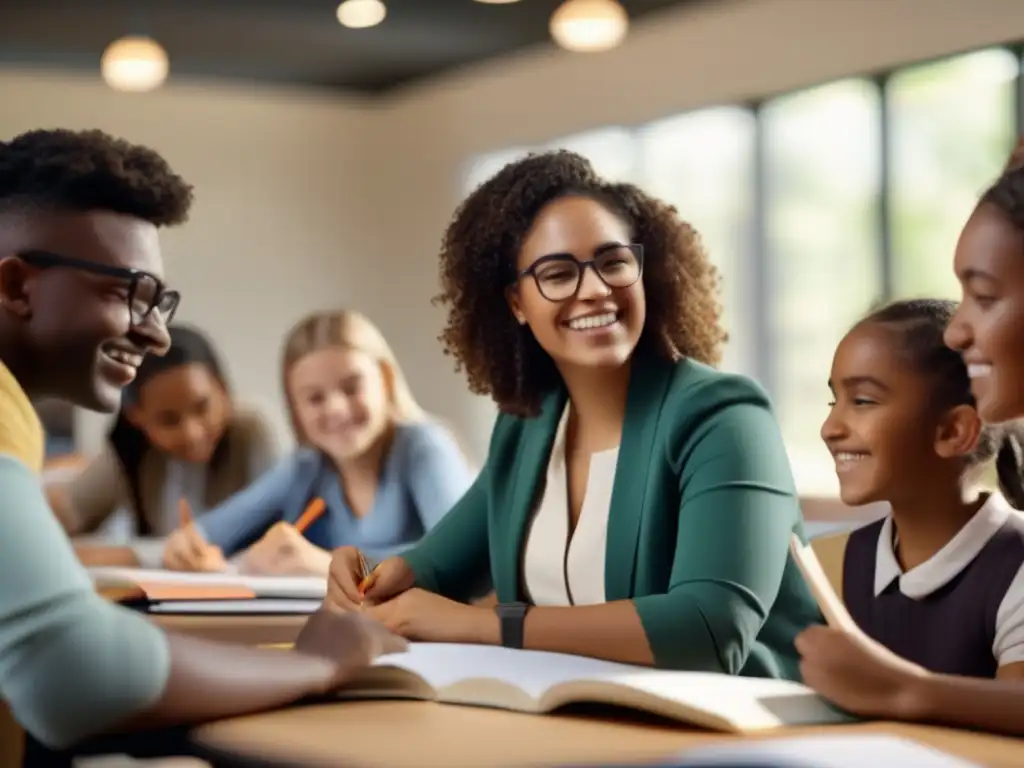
[(420, 615), (345, 588), (283, 551), (858, 674), (186, 550), (350, 640)]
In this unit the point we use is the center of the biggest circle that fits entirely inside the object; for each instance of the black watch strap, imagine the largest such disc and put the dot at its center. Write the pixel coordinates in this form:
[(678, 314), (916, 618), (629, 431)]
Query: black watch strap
[(512, 617)]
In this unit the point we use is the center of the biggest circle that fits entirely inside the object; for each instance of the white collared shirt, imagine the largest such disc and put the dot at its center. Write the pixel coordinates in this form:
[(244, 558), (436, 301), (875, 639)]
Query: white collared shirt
[(560, 569), (948, 562)]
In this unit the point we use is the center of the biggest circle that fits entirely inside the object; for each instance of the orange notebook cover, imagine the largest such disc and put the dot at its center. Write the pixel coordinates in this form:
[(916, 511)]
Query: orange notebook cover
[(142, 591)]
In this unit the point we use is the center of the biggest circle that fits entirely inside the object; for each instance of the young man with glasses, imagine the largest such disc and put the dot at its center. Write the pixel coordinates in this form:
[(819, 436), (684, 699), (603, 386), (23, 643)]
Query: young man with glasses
[(82, 301)]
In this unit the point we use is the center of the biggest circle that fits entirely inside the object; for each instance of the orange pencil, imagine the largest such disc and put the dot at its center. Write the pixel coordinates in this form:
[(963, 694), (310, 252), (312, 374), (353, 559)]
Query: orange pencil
[(310, 515)]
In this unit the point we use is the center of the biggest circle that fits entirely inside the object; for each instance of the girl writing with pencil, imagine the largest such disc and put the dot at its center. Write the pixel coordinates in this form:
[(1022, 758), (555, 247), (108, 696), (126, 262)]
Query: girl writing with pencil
[(854, 671), (179, 435), (636, 504), (372, 469)]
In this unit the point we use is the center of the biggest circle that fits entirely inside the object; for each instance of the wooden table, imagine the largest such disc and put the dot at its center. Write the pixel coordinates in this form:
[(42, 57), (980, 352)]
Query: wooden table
[(406, 734), (241, 629)]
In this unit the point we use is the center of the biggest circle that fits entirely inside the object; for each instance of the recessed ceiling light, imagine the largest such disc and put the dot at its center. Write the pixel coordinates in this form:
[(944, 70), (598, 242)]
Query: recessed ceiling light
[(360, 14), (134, 64), (589, 26)]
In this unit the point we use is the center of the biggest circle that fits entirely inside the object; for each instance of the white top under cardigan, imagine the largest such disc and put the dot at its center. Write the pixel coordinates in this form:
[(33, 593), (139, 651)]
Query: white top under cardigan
[(559, 570)]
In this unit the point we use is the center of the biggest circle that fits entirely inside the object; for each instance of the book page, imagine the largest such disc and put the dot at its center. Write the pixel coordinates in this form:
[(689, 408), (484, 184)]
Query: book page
[(298, 587), (727, 702), (744, 702), (533, 672), (828, 601)]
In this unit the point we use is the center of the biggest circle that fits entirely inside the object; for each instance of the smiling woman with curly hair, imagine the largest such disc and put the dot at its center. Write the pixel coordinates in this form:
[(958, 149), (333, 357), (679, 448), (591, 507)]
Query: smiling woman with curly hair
[(478, 264), (636, 504)]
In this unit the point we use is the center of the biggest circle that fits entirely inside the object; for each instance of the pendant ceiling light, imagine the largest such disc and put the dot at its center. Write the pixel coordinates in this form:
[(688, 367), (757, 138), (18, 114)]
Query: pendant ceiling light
[(134, 64), (360, 14), (589, 26)]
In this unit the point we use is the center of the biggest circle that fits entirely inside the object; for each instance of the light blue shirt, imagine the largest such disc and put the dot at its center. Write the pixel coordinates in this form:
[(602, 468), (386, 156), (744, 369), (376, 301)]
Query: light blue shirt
[(422, 477), (72, 664)]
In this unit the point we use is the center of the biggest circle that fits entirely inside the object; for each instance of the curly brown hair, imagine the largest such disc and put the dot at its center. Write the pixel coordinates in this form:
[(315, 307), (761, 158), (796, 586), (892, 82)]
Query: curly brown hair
[(478, 257)]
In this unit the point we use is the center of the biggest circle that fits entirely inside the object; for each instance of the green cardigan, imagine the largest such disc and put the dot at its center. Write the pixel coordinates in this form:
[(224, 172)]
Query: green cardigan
[(702, 510)]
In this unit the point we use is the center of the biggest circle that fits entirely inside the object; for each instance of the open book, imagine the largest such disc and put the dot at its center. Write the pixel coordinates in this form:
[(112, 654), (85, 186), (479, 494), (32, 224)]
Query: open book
[(130, 584), (539, 682)]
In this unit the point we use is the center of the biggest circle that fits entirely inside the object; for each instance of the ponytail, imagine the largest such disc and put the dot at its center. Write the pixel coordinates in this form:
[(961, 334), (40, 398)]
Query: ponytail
[(1010, 465)]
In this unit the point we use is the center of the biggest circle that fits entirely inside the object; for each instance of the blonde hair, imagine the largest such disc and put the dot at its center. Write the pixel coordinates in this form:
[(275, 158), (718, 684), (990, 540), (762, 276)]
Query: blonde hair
[(350, 330)]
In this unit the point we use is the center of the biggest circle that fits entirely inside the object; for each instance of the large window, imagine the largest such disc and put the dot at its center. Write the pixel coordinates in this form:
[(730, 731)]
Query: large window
[(952, 128), (819, 204), (612, 151), (703, 163), (483, 167), (822, 246)]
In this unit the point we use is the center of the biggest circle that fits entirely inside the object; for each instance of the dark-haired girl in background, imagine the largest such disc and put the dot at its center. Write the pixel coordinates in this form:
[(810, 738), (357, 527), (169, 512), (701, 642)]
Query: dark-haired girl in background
[(178, 436)]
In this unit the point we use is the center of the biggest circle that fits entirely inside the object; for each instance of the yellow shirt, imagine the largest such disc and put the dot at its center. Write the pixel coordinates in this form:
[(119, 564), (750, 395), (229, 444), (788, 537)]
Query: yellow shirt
[(21, 432)]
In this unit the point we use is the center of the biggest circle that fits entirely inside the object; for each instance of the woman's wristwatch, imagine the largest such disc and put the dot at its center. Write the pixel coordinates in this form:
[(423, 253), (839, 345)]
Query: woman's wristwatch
[(512, 618)]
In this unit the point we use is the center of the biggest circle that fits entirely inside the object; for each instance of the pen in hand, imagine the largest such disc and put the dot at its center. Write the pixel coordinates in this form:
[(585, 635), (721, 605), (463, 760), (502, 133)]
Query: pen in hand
[(366, 575)]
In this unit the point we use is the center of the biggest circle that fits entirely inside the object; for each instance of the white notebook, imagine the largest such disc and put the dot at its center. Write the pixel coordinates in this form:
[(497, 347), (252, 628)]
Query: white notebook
[(293, 587), (259, 606), (846, 751), (539, 682)]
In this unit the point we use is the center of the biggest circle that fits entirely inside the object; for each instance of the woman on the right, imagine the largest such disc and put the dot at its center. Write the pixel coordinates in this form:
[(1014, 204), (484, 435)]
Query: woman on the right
[(636, 504), (855, 672)]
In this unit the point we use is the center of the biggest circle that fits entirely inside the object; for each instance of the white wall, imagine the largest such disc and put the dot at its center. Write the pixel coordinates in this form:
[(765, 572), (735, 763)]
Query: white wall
[(344, 203), (278, 226)]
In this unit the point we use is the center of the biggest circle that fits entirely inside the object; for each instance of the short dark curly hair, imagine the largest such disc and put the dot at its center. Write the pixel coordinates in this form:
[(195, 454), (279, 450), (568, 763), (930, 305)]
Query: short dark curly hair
[(478, 256), (90, 170)]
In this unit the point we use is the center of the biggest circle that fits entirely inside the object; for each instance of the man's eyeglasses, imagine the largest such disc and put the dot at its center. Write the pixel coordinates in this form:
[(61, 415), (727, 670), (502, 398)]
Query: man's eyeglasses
[(146, 293), (559, 276)]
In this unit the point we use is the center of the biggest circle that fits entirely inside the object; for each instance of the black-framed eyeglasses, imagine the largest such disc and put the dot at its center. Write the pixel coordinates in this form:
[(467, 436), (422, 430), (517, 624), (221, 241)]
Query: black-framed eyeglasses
[(146, 292), (559, 276)]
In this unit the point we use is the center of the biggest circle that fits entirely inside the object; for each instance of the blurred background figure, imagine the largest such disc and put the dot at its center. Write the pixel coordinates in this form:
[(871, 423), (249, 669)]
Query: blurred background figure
[(178, 435)]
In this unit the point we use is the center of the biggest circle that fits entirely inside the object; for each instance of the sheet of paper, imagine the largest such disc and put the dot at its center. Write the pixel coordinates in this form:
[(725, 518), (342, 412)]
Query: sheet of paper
[(297, 587), (260, 606), (843, 751)]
